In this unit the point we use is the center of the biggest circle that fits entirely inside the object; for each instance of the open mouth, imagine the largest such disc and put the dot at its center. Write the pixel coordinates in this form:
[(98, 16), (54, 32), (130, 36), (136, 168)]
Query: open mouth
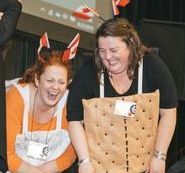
[(113, 63), (52, 96)]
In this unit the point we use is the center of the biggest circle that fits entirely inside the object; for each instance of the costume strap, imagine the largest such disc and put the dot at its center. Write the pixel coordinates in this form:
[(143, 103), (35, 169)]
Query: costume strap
[(59, 112), (140, 77), (140, 80), (24, 91), (102, 85)]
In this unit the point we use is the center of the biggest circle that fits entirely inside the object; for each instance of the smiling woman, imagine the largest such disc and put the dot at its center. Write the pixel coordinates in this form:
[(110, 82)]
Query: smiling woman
[(119, 103), (39, 140)]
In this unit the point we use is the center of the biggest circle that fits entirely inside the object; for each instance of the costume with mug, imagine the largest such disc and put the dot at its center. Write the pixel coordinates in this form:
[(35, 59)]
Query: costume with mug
[(116, 143), (33, 144)]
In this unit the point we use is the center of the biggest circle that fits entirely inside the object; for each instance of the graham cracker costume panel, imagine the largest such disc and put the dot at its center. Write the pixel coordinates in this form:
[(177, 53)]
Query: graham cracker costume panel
[(118, 144)]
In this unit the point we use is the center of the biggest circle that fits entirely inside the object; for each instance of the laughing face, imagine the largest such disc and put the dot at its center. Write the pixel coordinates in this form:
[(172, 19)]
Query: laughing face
[(114, 54), (51, 85)]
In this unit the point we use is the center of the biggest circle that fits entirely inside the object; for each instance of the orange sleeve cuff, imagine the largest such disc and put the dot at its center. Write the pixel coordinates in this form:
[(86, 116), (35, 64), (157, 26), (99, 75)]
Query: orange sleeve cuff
[(14, 163), (66, 159)]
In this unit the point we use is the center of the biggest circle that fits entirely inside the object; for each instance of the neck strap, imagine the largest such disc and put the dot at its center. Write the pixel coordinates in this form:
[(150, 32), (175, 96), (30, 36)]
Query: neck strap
[(140, 80)]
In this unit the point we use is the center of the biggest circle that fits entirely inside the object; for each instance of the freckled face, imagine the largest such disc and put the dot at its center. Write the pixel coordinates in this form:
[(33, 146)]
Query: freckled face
[(52, 85), (114, 54)]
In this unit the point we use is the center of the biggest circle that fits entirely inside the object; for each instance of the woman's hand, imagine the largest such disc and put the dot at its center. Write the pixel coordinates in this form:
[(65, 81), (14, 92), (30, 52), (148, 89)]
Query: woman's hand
[(78, 138), (156, 166), (28, 168), (49, 167), (86, 168)]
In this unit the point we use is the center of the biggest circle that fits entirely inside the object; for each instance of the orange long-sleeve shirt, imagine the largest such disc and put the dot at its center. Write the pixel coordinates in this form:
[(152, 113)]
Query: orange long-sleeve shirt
[(15, 109)]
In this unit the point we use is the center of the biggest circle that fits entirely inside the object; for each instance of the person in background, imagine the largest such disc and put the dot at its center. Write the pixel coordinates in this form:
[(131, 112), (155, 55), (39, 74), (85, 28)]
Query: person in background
[(38, 140), (113, 106), (10, 11)]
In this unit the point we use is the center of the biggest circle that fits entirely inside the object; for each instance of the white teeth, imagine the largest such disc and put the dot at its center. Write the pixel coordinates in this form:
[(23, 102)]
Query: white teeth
[(112, 62), (53, 93)]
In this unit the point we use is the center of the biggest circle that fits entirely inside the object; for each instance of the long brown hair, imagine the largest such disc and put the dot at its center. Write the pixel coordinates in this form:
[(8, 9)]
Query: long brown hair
[(47, 57), (120, 27)]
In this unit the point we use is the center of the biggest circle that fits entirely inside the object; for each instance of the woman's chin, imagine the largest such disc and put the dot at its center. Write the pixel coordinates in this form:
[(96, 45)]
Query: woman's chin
[(52, 103), (116, 71)]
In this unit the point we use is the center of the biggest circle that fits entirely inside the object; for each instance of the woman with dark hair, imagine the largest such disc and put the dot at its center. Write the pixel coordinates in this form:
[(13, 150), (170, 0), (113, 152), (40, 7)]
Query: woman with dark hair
[(122, 111), (38, 140)]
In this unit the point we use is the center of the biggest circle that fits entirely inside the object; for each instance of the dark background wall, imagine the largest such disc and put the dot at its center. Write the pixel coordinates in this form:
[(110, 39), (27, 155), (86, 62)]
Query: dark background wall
[(169, 39), (166, 10)]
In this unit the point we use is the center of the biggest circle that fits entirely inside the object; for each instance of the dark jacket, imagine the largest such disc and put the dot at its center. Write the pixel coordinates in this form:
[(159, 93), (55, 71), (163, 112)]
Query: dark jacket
[(11, 11), (3, 165)]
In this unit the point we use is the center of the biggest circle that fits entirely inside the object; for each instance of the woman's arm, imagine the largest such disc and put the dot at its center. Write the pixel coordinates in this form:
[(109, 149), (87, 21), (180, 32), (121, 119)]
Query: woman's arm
[(14, 108), (164, 136), (28, 168), (61, 163), (49, 167), (79, 142), (14, 113)]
